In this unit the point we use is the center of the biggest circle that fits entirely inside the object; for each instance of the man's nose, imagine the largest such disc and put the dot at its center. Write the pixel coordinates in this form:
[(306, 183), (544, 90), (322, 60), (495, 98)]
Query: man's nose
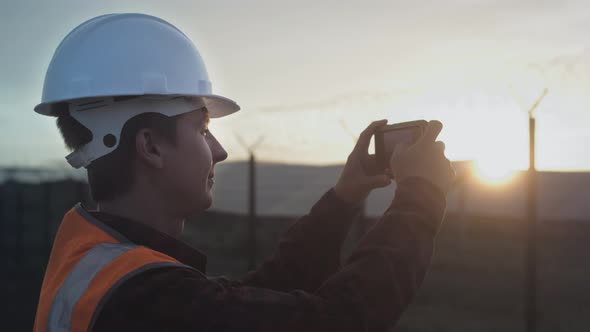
[(218, 152)]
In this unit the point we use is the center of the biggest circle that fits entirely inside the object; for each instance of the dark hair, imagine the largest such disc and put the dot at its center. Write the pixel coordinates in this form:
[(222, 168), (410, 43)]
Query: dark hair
[(113, 174)]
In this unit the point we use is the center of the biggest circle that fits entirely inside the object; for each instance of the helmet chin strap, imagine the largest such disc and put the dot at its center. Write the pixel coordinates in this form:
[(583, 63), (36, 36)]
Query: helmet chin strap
[(105, 118)]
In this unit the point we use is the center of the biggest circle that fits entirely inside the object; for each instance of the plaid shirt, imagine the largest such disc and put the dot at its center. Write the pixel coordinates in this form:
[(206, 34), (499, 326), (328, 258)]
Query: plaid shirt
[(302, 287)]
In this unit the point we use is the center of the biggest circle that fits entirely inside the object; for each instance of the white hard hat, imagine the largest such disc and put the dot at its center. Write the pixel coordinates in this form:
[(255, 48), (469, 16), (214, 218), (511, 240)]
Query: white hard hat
[(125, 55)]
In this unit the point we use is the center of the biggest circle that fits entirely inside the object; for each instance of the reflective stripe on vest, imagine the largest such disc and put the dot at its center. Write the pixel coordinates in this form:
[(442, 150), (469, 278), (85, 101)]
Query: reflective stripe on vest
[(60, 314), (88, 262)]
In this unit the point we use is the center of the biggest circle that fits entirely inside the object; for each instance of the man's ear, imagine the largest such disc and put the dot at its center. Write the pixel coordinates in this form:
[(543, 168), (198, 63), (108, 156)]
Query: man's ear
[(149, 148)]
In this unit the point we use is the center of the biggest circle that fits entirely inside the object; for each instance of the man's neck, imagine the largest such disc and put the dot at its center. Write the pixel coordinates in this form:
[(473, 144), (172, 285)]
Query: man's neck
[(145, 209)]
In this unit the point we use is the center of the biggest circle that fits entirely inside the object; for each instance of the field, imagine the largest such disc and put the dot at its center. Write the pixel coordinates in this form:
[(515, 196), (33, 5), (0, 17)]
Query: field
[(475, 283)]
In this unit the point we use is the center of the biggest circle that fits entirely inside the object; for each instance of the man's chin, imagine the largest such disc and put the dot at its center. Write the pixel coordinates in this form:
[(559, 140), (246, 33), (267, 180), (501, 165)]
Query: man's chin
[(201, 204), (207, 201)]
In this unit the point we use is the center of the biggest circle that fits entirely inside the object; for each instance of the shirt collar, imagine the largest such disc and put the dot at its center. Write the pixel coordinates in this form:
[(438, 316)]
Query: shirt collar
[(147, 236)]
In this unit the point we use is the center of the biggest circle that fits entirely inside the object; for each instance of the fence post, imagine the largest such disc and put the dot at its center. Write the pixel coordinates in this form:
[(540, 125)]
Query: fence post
[(252, 221), (47, 216), (19, 217), (2, 218), (531, 237)]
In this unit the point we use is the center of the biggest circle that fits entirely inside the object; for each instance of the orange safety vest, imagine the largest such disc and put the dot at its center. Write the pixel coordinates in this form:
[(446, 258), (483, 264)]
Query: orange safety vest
[(88, 261)]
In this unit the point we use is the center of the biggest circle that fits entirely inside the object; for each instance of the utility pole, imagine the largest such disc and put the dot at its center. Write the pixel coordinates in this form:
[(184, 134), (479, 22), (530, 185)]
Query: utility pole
[(252, 221), (531, 229)]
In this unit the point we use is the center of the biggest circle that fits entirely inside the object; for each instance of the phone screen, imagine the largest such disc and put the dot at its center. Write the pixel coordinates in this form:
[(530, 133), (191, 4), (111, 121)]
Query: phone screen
[(393, 137), (387, 138)]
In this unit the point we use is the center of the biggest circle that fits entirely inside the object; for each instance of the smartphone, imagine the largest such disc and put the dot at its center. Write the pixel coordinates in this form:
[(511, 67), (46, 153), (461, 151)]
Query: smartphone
[(387, 137)]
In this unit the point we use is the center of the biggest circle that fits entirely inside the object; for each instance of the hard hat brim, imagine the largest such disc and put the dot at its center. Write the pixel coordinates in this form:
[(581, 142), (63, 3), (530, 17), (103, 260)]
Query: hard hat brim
[(218, 106)]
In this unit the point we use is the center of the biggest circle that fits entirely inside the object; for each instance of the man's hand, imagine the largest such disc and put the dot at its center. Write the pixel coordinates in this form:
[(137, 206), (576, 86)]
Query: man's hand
[(424, 159), (358, 177)]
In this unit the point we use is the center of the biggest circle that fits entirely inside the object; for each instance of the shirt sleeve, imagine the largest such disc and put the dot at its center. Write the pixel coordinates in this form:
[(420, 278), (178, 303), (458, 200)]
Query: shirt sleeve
[(369, 292), (308, 252)]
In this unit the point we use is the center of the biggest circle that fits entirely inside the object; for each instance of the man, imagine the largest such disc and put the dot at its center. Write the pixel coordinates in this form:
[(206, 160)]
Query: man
[(133, 100)]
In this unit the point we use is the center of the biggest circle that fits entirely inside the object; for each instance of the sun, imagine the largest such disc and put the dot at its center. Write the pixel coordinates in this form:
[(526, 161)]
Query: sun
[(493, 172)]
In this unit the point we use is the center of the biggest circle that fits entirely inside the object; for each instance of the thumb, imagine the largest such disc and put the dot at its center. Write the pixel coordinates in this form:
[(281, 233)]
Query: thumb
[(400, 148), (378, 181)]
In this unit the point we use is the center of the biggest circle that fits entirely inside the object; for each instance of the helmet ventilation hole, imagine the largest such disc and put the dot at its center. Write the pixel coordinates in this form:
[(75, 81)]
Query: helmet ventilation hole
[(109, 140)]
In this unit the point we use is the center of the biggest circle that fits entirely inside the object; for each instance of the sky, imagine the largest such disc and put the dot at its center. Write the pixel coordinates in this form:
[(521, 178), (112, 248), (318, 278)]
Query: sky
[(310, 75)]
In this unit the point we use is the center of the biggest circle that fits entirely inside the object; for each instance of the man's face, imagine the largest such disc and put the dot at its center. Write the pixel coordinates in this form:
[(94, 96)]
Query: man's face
[(190, 164)]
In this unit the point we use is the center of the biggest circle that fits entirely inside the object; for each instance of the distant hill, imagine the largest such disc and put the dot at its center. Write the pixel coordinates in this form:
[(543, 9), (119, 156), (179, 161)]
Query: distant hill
[(291, 190)]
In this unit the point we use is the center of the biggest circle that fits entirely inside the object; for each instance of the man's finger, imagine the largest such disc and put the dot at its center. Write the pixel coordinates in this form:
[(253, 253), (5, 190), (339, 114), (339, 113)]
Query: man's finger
[(378, 181), (370, 165), (365, 139), (431, 133), (440, 145), (399, 148)]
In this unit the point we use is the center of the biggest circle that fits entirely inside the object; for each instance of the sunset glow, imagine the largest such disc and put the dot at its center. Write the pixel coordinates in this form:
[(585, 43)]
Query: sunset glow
[(463, 66), (493, 173)]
